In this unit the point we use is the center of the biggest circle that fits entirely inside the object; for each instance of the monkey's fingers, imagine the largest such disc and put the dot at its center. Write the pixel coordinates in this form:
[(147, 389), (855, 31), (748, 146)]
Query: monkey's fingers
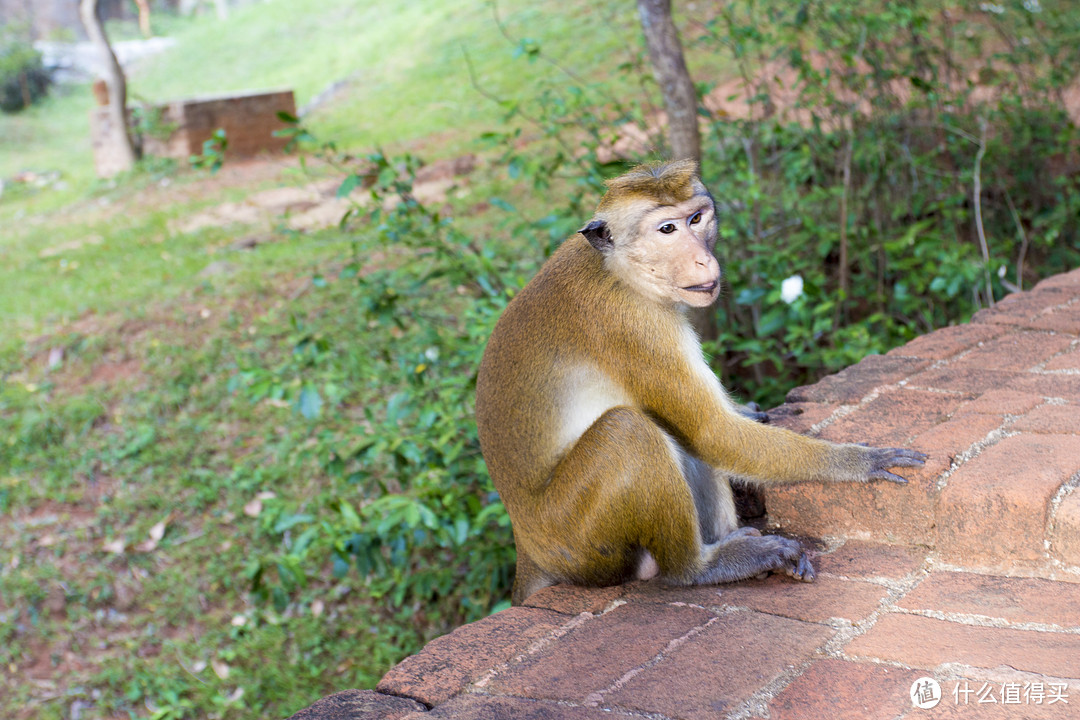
[(886, 475)]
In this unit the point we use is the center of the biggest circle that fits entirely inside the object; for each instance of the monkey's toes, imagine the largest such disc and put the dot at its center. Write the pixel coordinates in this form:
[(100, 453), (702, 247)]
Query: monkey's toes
[(803, 570)]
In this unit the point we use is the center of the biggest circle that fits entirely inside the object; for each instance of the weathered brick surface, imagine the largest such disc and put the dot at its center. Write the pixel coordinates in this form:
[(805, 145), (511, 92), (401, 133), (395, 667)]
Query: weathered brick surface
[(1065, 541), (894, 417), (599, 652), (1058, 419), (858, 381), (1021, 350), (861, 559), (484, 707), (1061, 319), (778, 594), (880, 509), (716, 669), (446, 665), (997, 503), (801, 417), (1020, 309), (1066, 361), (1049, 385), (948, 342), (961, 380), (972, 709), (359, 705), (573, 600), (1063, 281), (839, 690), (1017, 600), (923, 642), (818, 601), (1001, 402)]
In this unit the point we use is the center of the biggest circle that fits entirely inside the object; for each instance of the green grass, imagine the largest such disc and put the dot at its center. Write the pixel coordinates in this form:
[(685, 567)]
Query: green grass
[(138, 421), (404, 64)]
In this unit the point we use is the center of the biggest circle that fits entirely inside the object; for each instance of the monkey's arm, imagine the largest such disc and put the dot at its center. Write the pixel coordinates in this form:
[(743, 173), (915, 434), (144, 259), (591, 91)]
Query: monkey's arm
[(691, 402)]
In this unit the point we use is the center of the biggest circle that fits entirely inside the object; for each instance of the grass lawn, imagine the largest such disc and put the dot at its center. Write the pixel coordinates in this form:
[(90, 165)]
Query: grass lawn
[(138, 487)]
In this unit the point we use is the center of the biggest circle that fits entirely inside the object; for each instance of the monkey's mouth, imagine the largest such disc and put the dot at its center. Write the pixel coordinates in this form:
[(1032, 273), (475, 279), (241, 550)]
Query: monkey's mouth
[(708, 287)]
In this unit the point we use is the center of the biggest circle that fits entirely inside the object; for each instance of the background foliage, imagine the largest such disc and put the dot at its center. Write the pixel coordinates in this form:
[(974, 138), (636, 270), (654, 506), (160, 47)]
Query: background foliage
[(317, 468)]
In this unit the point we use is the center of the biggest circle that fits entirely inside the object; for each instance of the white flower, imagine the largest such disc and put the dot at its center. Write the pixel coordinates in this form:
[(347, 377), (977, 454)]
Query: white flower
[(791, 289)]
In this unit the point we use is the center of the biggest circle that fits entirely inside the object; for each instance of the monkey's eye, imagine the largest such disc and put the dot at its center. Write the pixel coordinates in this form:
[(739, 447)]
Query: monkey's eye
[(695, 218), (667, 228)]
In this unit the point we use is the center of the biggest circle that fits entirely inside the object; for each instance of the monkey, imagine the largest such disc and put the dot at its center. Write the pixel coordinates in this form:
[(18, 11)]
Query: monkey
[(607, 436)]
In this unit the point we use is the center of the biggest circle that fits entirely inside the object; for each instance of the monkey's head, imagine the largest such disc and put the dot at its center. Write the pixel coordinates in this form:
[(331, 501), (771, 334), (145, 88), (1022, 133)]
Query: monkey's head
[(656, 227)]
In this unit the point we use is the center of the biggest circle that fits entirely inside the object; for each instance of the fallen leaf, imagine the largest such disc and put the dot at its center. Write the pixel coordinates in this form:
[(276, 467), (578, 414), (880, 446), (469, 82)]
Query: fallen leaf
[(115, 547), (220, 669)]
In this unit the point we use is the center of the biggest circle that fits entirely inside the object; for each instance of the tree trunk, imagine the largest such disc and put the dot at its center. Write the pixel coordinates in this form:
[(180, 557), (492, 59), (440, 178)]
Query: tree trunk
[(114, 79), (681, 103), (669, 69)]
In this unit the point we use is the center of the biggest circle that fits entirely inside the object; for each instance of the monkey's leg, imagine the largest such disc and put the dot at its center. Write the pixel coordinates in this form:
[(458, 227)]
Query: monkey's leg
[(737, 553), (617, 492), (625, 487)]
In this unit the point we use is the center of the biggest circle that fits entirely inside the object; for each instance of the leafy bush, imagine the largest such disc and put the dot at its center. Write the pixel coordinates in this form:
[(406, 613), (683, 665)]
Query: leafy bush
[(895, 167), (23, 78)]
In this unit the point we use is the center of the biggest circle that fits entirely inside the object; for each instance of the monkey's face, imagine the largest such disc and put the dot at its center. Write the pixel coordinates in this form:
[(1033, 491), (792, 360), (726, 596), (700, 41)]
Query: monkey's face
[(670, 254)]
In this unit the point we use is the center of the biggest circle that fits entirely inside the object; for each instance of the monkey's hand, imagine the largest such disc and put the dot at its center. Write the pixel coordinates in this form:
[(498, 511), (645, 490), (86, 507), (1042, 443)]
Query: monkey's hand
[(881, 458), (753, 411)]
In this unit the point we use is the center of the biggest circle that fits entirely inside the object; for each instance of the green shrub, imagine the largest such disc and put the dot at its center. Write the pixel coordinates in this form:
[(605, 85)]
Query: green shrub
[(23, 78)]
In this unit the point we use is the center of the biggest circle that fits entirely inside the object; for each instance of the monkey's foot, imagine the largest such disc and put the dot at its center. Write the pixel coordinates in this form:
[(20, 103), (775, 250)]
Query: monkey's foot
[(745, 553)]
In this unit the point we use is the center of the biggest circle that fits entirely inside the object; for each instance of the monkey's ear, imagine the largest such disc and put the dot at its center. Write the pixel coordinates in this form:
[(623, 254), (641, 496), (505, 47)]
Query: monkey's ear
[(598, 235)]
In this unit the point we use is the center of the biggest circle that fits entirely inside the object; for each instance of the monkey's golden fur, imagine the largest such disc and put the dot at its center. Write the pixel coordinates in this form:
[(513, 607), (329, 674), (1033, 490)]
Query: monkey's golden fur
[(605, 432)]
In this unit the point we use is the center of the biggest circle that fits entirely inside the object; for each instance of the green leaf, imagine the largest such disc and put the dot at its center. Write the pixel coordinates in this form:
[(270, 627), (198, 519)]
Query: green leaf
[(348, 185), (310, 402)]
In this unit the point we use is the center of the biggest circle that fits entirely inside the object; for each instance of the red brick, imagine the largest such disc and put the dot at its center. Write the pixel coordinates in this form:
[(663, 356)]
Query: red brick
[(963, 706), (1065, 541), (800, 417), (350, 704), (1048, 385), (1015, 351), (861, 559), (1065, 361), (818, 601), (879, 509), (1016, 600), (839, 690), (927, 643), (778, 595), (1022, 308), (1064, 281), (1060, 319), (599, 652), (446, 665), (573, 600), (993, 512), (1001, 402), (894, 417), (856, 382), (965, 380), (487, 707), (948, 341), (1058, 419), (713, 671), (944, 442)]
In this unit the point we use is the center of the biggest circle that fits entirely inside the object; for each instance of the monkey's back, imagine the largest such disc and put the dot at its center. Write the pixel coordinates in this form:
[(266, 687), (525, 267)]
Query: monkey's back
[(543, 360)]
